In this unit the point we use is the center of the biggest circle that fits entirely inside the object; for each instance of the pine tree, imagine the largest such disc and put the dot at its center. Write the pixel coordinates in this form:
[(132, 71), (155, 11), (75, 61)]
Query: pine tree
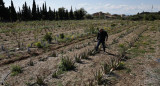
[(34, 11), (13, 14)]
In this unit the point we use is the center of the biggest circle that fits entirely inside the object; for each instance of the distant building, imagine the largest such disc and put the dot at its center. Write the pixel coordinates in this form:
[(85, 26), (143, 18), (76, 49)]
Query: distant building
[(102, 15)]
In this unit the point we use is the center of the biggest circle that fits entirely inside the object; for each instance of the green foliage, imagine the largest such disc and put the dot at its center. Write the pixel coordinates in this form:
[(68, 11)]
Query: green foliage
[(55, 74), (77, 58), (88, 16), (15, 70), (30, 63), (113, 25), (66, 64), (145, 16), (121, 66), (62, 36), (38, 45), (106, 68), (98, 76), (48, 37), (40, 80), (84, 55)]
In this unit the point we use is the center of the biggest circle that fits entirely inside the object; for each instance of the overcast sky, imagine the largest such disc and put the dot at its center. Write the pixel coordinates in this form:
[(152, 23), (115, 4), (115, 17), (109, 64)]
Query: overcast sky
[(92, 6)]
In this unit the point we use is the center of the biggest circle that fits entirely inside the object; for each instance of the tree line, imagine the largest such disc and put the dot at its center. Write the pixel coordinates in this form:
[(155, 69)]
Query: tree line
[(148, 16), (26, 13)]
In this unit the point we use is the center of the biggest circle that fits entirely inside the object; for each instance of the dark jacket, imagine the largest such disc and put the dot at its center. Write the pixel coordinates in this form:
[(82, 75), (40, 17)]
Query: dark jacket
[(102, 35)]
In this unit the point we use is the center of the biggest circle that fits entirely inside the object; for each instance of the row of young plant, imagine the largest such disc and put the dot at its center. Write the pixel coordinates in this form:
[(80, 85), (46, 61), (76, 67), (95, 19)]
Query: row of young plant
[(67, 64), (114, 63)]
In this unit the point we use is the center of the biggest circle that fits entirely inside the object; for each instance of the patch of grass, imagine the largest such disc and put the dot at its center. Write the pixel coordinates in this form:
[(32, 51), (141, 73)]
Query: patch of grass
[(121, 66), (31, 63), (59, 83), (140, 63), (48, 37), (15, 70), (77, 58), (84, 55), (98, 76), (55, 74), (38, 45), (62, 36), (40, 81), (106, 68), (66, 64), (128, 70)]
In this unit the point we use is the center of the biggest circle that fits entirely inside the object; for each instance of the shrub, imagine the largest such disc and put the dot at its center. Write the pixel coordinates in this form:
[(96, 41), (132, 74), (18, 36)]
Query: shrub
[(38, 44), (62, 36), (48, 37), (66, 64), (15, 70)]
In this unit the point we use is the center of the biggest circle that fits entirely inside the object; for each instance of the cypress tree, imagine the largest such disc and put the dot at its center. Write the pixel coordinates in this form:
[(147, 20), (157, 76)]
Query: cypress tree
[(13, 14), (38, 13), (54, 14), (71, 15), (29, 13), (66, 15), (4, 12), (61, 13), (50, 14), (2, 8), (34, 11)]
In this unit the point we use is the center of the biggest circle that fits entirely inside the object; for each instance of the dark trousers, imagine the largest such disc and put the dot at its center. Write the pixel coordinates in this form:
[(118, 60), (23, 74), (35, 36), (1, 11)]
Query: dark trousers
[(103, 43)]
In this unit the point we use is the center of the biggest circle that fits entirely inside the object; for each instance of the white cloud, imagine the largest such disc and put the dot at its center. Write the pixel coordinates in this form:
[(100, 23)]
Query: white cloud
[(118, 9)]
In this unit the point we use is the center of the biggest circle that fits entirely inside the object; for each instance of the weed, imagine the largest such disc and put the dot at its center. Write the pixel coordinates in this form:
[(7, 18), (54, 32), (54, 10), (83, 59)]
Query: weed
[(106, 68), (120, 66), (30, 63), (48, 37), (38, 44), (40, 80), (62, 36), (15, 70), (55, 75), (28, 84), (54, 54), (66, 64), (84, 55), (128, 70), (77, 58), (98, 76)]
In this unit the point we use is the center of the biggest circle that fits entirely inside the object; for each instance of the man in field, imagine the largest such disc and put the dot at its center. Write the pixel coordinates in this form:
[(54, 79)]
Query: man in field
[(102, 36)]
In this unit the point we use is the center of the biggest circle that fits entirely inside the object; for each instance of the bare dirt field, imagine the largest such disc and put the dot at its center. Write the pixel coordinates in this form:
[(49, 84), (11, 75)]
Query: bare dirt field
[(132, 56)]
